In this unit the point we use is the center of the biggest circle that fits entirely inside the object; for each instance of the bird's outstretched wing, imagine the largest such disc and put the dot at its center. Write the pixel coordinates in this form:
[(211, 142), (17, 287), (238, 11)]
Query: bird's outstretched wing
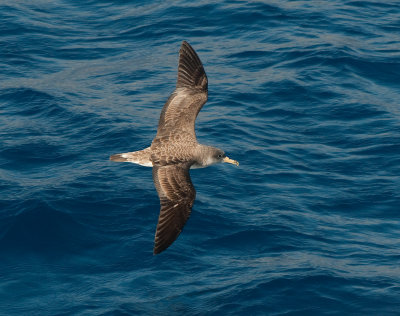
[(177, 194), (180, 111)]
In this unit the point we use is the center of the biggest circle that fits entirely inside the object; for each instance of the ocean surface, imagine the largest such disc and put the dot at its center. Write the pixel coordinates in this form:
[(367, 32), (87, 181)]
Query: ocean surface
[(304, 94)]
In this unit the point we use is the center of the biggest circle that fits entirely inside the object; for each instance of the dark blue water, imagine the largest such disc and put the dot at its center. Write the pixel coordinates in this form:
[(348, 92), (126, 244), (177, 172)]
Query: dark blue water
[(304, 94)]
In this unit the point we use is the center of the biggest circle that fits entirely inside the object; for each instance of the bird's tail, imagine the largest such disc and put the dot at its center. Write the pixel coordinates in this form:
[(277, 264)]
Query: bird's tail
[(141, 157)]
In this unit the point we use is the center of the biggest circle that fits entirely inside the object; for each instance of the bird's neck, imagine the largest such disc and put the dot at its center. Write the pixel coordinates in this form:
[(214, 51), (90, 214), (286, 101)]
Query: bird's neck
[(202, 157)]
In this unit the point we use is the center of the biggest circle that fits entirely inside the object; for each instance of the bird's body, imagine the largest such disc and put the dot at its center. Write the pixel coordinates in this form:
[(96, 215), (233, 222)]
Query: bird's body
[(175, 149)]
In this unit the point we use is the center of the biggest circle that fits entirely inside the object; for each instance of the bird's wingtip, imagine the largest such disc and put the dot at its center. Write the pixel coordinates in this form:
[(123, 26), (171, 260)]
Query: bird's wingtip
[(191, 73)]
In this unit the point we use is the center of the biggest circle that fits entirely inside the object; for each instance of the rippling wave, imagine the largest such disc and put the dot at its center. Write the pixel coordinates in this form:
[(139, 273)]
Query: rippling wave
[(305, 95)]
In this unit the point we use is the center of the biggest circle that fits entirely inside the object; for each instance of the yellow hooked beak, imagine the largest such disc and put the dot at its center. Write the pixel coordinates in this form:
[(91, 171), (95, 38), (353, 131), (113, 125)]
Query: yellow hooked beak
[(228, 160)]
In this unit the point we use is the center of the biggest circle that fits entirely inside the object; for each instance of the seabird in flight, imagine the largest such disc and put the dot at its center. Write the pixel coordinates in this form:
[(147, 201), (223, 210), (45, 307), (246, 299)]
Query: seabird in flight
[(175, 149)]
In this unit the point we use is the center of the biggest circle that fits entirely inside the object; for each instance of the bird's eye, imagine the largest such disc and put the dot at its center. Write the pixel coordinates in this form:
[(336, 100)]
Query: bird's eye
[(219, 156)]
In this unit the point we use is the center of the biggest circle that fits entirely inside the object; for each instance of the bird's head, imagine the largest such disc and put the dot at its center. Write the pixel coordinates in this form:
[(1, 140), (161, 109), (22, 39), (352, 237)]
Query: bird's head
[(216, 155)]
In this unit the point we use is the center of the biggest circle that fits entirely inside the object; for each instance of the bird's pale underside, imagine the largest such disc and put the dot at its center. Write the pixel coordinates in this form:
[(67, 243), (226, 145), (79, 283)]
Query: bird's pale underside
[(175, 149)]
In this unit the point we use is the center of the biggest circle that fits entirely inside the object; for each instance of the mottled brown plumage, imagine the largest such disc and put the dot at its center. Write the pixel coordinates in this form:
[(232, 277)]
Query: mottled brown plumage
[(175, 149)]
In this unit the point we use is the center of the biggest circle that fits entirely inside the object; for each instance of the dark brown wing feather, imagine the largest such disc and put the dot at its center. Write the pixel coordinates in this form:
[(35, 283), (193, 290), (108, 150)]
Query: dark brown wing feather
[(177, 195), (180, 111), (191, 73)]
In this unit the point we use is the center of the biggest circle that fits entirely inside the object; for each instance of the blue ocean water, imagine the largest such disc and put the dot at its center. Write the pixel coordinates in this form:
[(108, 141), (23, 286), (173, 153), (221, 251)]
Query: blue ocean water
[(304, 94)]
